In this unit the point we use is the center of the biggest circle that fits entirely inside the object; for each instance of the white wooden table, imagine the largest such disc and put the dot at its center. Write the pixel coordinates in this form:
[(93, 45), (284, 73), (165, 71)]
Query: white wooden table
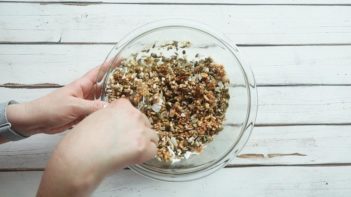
[(300, 53)]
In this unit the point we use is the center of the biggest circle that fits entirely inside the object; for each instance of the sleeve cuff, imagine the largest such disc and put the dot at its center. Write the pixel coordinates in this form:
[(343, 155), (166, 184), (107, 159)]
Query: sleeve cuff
[(5, 125)]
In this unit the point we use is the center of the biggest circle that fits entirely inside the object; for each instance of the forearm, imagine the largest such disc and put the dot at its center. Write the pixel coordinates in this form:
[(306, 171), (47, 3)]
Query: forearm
[(82, 159), (23, 118), (63, 178), (56, 183), (72, 170)]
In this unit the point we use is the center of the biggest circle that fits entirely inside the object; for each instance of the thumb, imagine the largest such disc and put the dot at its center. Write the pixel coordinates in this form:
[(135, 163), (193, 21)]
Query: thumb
[(89, 106)]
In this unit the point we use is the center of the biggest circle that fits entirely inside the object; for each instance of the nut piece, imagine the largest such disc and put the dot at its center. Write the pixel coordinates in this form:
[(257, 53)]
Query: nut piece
[(184, 100)]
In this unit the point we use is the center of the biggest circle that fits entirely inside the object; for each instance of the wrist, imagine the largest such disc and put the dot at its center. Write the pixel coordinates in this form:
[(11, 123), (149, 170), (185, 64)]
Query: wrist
[(22, 121), (68, 176), (63, 183)]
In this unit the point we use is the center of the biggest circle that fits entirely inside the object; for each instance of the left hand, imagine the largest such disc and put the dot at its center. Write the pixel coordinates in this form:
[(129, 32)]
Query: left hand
[(58, 110)]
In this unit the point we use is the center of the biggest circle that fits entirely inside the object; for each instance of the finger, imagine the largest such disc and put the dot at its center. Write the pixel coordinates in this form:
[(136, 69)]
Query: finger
[(121, 102), (126, 103), (146, 120), (88, 83), (153, 136), (98, 91), (95, 93), (150, 152), (97, 73), (93, 73), (86, 107), (89, 77), (107, 65), (66, 126), (110, 65), (62, 128)]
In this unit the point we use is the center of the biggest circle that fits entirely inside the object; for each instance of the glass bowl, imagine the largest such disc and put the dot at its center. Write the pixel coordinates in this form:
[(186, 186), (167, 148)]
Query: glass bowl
[(242, 109)]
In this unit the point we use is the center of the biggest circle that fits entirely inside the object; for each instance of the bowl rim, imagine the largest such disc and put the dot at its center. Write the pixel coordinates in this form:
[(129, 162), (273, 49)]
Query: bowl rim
[(246, 130)]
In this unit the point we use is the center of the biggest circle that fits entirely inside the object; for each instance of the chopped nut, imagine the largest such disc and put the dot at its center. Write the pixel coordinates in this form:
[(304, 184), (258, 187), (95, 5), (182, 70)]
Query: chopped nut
[(184, 100)]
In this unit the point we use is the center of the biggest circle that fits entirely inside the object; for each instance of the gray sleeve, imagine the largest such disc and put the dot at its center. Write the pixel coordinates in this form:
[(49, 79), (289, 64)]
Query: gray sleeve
[(5, 125)]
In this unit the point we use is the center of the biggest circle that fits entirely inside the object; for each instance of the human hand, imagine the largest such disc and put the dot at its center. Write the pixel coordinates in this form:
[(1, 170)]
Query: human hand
[(107, 140), (58, 110)]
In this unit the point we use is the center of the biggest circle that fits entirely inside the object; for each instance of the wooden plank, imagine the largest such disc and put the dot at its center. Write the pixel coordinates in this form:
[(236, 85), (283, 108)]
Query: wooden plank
[(216, 2), (62, 23), (299, 145), (299, 65), (250, 182), (60, 64), (304, 105), (22, 95), (33, 152), (294, 145), (277, 105)]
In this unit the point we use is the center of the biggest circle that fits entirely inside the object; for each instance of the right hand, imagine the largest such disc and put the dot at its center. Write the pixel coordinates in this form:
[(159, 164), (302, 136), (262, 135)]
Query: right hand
[(107, 140), (118, 135)]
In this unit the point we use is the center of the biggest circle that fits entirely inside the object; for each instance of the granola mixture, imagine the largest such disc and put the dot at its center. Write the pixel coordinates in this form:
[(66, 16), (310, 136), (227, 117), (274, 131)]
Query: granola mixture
[(185, 100)]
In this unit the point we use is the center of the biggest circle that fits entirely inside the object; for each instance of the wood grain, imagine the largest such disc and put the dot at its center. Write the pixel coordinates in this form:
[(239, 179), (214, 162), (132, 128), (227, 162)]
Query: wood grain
[(250, 182), (295, 145), (304, 105), (279, 65), (107, 23)]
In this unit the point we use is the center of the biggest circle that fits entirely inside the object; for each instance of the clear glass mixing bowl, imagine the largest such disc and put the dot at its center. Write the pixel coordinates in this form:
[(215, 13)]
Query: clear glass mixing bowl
[(240, 115)]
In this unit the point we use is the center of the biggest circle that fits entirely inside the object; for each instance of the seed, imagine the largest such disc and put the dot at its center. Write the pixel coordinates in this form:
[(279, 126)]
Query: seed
[(184, 100)]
